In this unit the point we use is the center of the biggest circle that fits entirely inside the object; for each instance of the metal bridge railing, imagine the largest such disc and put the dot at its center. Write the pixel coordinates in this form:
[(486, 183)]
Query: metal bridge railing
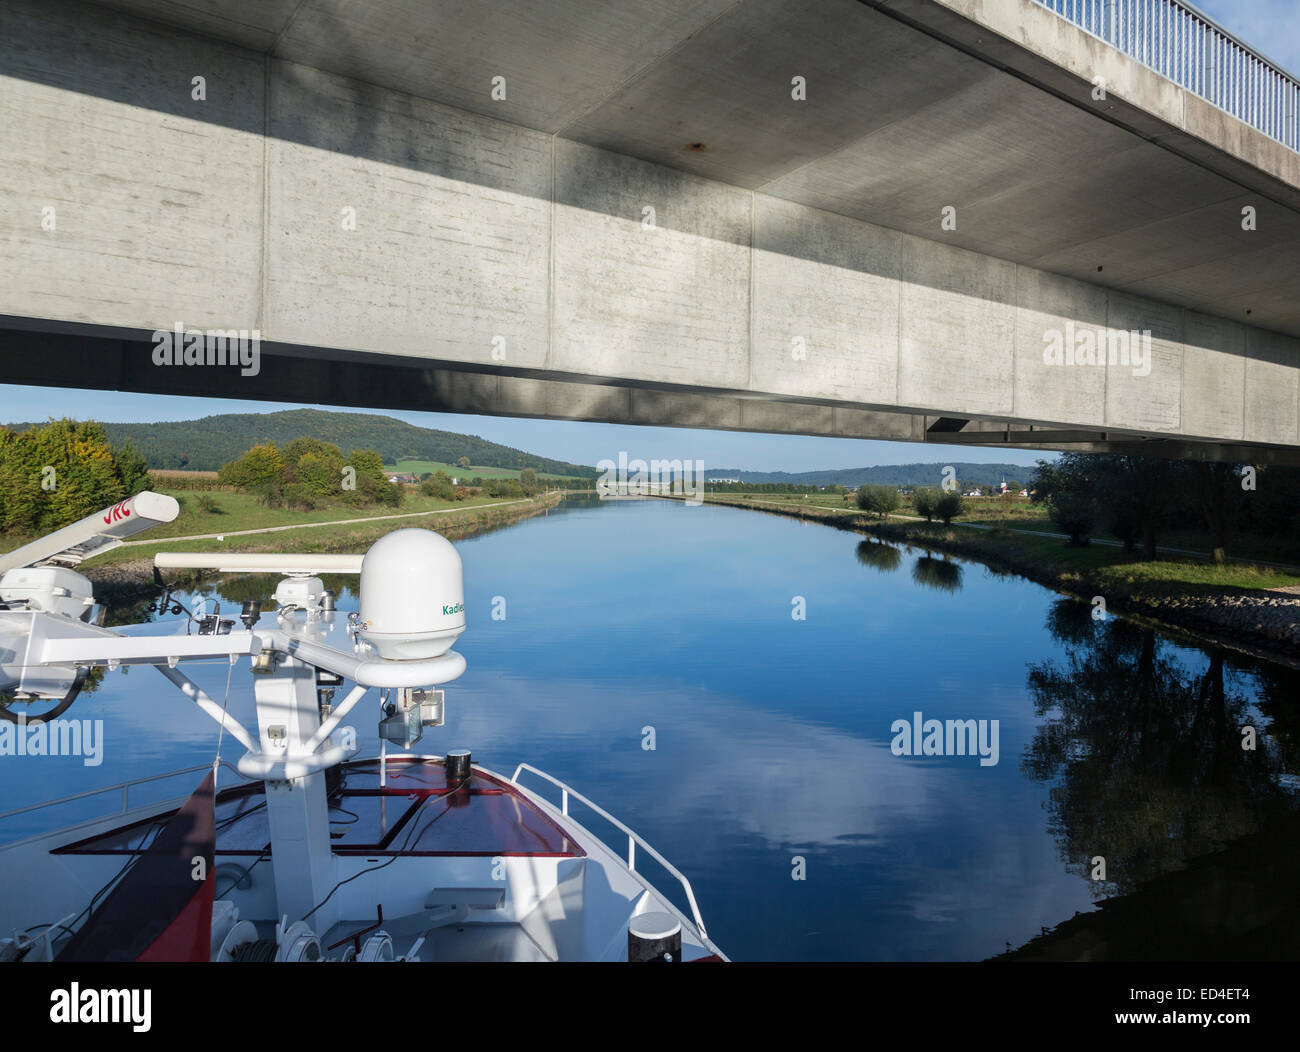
[(1187, 47)]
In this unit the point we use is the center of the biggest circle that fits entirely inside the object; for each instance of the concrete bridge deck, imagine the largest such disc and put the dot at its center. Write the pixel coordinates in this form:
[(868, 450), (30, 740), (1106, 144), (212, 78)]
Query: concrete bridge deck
[(866, 219)]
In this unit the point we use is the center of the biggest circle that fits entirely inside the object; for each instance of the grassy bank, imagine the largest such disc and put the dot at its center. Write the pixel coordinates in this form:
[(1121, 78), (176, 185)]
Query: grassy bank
[(1254, 608), (1013, 512), (128, 570)]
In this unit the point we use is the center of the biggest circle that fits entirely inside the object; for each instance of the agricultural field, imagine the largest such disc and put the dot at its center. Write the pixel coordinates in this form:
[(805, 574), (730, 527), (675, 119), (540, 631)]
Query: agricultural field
[(209, 508), (207, 515), (1024, 519), (421, 467), (1012, 513)]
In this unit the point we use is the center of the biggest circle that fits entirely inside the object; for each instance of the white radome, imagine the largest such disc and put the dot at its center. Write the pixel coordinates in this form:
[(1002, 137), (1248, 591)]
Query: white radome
[(412, 595)]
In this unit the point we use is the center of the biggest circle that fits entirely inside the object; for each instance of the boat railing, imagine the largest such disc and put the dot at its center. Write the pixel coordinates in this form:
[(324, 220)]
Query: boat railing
[(633, 839), (123, 787)]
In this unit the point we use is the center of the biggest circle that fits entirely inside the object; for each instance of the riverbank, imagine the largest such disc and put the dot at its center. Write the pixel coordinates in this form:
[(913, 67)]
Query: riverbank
[(1249, 608), (127, 572)]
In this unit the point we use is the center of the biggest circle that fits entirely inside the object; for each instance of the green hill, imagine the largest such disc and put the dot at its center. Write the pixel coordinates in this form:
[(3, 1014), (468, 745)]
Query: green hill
[(206, 444)]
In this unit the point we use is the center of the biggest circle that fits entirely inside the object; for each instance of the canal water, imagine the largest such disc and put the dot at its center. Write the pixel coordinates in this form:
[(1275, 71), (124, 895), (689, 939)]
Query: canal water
[(735, 687)]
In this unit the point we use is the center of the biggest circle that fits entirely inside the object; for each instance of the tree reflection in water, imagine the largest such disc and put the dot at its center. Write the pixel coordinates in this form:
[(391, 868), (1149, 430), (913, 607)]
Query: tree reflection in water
[(1201, 837), (939, 574), (1145, 752), (879, 556)]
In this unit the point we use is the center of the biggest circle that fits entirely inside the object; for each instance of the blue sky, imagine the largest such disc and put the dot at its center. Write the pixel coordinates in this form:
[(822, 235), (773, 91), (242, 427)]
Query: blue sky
[(1270, 26)]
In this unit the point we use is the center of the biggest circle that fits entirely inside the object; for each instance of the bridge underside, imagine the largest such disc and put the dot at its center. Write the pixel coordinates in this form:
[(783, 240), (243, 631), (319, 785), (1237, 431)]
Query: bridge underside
[(74, 356), (648, 228)]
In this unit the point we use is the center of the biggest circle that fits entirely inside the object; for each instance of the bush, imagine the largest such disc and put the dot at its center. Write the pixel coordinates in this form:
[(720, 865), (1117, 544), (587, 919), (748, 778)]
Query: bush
[(1126, 524), (295, 496), (1075, 515), (60, 472), (949, 506), (308, 472), (882, 500), (208, 504), (924, 500), (438, 486), (503, 488), (258, 467)]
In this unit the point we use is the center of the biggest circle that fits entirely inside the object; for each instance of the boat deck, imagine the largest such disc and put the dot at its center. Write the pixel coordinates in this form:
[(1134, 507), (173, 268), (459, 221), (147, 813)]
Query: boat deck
[(415, 812)]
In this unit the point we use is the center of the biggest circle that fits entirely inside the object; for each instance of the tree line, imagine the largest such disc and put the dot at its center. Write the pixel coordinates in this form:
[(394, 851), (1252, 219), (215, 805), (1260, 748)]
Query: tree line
[(1136, 499), (442, 486), (928, 501), (308, 472), (56, 473)]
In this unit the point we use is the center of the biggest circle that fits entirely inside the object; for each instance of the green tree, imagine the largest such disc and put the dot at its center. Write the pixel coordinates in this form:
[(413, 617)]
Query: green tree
[(372, 485), (881, 500), (131, 468), (1076, 515), (313, 468), (949, 506), (320, 475), (924, 501), (505, 489), (1070, 487), (438, 486), (1134, 496), (1216, 490), (308, 471), (60, 472), (258, 467)]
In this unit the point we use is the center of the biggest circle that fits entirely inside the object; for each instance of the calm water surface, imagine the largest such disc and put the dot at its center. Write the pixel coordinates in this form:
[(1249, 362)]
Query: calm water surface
[(772, 735)]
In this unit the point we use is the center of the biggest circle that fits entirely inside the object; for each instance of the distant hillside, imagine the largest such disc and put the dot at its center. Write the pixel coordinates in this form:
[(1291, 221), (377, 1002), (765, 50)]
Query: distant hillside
[(206, 444), (886, 475)]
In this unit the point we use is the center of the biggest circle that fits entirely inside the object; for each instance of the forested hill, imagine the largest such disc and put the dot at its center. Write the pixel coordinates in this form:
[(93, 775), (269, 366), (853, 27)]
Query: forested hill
[(206, 444)]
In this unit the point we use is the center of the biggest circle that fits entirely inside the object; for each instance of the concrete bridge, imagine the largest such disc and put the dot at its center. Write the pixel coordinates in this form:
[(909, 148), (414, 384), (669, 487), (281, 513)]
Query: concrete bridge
[(905, 219)]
